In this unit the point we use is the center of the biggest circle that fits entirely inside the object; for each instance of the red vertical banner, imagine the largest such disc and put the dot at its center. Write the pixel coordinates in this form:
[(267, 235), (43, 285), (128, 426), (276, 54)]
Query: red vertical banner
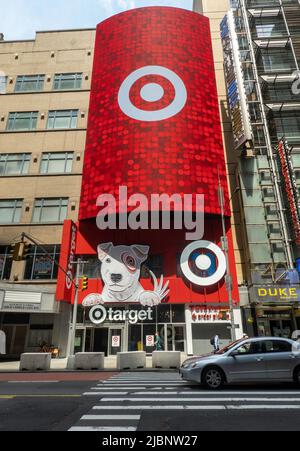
[(65, 278)]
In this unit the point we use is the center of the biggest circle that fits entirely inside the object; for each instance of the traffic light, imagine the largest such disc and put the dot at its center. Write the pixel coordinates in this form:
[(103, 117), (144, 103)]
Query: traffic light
[(20, 251), (85, 283)]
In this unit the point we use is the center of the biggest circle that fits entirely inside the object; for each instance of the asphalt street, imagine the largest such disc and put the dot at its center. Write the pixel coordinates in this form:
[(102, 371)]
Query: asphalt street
[(153, 401)]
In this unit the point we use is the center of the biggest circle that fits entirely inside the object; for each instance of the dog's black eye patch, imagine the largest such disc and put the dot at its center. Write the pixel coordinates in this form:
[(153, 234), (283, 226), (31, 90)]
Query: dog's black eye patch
[(108, 260)]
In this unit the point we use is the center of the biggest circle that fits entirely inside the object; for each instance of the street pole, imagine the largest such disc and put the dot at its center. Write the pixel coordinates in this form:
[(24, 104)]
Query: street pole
[(228, 277), (75, 310)]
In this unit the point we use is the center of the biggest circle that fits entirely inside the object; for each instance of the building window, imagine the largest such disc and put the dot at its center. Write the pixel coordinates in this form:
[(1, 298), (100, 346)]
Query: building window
[(50, 210), (5, 263), (39, 265), (57, 163), (3, 83), (62, 119), (22, 121), (67, 81), (27, 83), (10, 211), (14, 164)]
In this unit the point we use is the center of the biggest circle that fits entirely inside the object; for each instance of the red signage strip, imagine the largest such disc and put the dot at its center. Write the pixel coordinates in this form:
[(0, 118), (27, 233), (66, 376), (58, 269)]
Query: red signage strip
[(65, 286), (290, 189)]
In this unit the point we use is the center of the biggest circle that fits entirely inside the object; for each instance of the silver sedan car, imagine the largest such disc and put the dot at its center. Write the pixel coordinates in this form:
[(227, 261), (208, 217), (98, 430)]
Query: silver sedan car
[(250, 360)]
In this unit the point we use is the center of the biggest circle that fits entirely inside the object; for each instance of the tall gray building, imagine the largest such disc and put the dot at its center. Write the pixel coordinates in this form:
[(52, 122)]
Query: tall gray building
[(261, 43)]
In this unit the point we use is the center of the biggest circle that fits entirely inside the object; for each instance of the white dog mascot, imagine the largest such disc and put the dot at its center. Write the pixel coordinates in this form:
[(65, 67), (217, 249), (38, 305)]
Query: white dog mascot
[(120, 272)]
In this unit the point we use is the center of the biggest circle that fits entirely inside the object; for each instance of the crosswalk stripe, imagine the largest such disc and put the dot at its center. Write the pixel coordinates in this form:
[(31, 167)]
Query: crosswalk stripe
[(120, 393), (150, 407), (102, 429), (131, 399), (111, 417)]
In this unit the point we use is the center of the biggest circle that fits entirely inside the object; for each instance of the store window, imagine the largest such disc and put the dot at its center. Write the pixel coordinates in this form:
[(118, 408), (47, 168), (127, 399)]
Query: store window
[(50, 210), (62, 119), (10, 211), (67, 81), (5, 262), (40, 335), (57, 163), (39, 266), (22, 121), (27, 83), (14, 164)]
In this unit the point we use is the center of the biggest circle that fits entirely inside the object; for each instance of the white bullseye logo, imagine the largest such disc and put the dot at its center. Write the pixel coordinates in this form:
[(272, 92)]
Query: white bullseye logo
[(152, 92), (203, 263), (98, 314)]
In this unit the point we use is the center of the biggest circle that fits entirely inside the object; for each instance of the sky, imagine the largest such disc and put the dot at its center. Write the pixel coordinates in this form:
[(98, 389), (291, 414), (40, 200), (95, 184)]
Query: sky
[(20, 19)]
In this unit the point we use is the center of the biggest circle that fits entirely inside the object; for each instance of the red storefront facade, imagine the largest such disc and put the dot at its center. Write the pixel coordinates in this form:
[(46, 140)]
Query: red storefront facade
[(154, 128)]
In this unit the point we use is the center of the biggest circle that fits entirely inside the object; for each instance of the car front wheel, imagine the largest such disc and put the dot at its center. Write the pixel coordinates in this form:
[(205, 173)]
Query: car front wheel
[(213, 378)]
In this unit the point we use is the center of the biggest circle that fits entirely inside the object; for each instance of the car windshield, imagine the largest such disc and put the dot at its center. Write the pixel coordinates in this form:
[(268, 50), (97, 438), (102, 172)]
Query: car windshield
[(228, 347)]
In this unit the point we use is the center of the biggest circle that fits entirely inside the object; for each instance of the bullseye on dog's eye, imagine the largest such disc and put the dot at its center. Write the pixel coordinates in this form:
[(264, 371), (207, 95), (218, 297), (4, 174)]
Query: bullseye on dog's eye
[(108, 260), (129, 262)]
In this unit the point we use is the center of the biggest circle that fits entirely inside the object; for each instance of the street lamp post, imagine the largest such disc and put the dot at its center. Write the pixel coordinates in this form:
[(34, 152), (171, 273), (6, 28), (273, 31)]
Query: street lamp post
[(228, 277), (75, 310)]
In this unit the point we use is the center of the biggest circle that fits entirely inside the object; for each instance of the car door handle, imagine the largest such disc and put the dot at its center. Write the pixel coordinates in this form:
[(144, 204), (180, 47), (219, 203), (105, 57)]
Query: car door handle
[(259, 359), (292, 356)]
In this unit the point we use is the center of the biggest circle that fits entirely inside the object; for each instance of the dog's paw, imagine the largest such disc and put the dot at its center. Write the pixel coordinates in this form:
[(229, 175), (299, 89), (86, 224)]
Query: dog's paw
[(149, 299), (92, 299)]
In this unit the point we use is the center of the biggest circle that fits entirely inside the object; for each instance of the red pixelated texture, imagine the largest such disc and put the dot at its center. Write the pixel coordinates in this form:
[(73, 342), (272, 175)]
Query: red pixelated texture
[(183, 154)]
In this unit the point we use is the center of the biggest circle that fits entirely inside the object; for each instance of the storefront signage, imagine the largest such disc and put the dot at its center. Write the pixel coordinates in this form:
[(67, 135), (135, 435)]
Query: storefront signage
[(65, 278), (203, 315), (291, 189), (21, 307), (240, 117), (99, 314), (273, 293)]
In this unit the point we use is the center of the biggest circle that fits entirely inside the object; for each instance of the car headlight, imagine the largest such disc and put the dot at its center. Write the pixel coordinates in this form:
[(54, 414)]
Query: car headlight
[(195, 365)]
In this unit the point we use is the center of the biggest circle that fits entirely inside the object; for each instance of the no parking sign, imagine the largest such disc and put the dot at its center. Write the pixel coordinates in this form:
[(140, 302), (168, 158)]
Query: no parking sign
[(116, 341), (150, 340)]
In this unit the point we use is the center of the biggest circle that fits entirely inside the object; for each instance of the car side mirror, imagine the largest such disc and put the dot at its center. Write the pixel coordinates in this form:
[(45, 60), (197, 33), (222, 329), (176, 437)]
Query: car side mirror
[(234, 354)]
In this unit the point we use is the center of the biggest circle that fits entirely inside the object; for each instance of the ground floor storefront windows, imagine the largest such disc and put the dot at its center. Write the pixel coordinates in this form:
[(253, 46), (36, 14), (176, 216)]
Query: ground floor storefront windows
[(167, 320), (184, 328), (271, 320), (276, 321)]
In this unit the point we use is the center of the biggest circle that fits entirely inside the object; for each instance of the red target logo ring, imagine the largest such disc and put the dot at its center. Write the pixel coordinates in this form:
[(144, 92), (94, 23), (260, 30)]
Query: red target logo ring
[(152, 92)]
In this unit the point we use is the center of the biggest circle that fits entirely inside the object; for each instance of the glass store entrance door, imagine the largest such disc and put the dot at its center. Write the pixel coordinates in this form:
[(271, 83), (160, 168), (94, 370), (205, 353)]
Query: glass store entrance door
[(115, 340), (175, 337)]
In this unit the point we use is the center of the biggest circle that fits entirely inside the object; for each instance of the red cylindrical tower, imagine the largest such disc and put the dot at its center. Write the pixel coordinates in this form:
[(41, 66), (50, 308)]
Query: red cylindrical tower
[(154, 122)]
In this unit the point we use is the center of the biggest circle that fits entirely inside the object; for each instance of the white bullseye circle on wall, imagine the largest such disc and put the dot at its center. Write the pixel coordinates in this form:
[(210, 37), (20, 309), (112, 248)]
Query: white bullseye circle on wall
[(203, 263), (152, 92)]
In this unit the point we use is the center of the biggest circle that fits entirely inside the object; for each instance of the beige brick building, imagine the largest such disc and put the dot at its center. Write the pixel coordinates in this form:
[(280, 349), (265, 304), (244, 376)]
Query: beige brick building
[(43, 119)]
